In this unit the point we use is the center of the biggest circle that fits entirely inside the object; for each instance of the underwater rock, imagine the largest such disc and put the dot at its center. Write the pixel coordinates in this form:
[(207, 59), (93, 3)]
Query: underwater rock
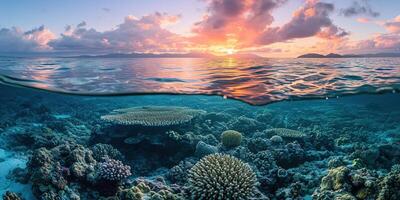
[(203, 149), (231, 138), (152, 115), (220, 176)]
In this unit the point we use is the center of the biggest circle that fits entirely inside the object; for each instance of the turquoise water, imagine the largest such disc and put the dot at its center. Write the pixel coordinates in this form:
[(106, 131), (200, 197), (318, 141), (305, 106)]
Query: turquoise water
[(60, 146)]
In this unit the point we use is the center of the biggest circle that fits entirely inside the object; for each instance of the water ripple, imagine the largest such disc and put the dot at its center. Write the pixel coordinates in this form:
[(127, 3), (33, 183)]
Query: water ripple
[(256, 81)]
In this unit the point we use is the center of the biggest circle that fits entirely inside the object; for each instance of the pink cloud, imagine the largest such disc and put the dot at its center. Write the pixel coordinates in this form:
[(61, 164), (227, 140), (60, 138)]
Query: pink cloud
[(246, 23), (311, 20), (16, 40), (393, 26), (234, 21), (363, 20), (145, 34)]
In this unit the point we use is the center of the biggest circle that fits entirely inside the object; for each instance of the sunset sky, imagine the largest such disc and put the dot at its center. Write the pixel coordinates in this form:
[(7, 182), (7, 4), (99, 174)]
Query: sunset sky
[(271, 28)]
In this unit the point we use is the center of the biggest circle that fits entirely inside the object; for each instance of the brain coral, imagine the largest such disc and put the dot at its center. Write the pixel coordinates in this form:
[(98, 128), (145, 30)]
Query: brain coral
[(220, 176), (231, 138), (286, 133), (152, 115)]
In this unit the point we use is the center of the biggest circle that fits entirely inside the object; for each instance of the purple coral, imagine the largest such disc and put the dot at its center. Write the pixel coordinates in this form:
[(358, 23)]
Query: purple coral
[(114, 170)]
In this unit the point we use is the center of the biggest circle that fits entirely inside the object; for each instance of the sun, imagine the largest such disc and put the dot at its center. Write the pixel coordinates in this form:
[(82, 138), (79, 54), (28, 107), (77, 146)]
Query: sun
[(230, 51), (221, 50)]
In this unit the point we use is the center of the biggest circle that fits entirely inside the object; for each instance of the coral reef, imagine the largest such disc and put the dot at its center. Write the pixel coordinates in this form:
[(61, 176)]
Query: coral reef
[(220, 176), (113, 170), (105, 150), (203, 149), (286, 133), (324, 150), (152, 115), (390, 186), (231, 138), (276, 139), (11, 196)]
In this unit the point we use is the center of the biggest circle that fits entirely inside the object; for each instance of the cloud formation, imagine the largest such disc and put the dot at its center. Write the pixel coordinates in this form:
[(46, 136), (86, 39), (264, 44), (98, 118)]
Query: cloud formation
[(310, 20), (145, 34), (361, 7), (393, 26), (245, 23), (234, 22), (16, 40)]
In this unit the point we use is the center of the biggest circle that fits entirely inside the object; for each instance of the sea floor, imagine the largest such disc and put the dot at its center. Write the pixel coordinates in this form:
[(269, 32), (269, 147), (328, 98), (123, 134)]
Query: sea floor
[(55, 146)]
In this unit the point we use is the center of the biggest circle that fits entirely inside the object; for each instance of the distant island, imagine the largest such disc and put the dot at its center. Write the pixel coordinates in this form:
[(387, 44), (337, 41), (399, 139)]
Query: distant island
[(333, 55)]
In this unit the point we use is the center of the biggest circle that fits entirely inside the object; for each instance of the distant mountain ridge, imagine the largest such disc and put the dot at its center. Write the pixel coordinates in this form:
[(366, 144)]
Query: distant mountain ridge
[(333, 55), (168, 55), (147, 55)]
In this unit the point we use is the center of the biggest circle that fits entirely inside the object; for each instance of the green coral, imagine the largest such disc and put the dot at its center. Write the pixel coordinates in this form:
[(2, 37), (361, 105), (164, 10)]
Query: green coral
[(336, 179), (221, 176), (390, 186), (133, 193), (231, 138), (345, 184), (148, 191)]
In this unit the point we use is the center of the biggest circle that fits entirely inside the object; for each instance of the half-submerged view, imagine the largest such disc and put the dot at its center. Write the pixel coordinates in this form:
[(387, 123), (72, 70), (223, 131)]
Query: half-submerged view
[(200, 100)]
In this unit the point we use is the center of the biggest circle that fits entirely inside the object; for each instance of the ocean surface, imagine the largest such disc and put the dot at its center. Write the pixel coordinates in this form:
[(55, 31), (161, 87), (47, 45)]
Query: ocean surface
[(256, 81), (129, 129)]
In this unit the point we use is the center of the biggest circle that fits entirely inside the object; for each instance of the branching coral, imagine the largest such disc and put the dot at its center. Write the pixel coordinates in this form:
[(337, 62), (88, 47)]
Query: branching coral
[(113, 170), (220, 176), (152, 115)]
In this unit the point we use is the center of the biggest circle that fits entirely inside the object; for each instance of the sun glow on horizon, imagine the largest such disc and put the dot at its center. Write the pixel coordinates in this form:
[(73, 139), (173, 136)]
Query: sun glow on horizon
[(221, 50)]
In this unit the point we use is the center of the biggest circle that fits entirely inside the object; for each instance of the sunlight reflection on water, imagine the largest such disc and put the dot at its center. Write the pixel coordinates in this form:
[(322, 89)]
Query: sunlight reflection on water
[(256, 81)]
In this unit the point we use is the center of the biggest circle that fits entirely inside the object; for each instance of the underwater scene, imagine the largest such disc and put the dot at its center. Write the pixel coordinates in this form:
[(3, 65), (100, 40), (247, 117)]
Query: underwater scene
[(59, 140), (200, 100)]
